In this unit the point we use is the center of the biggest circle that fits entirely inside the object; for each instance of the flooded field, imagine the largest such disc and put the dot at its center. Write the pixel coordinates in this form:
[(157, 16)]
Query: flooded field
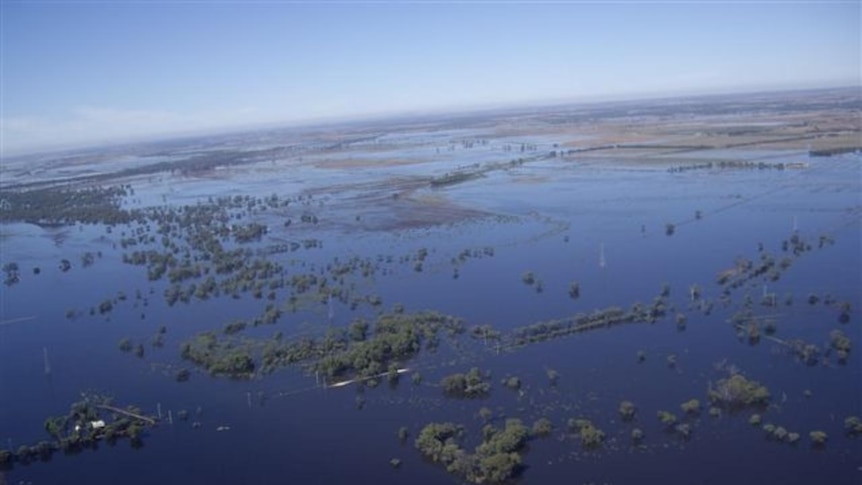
[(662, 290)]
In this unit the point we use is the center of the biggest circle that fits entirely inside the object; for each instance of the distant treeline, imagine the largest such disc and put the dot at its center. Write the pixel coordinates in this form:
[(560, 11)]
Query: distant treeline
[(734, 165), (828, 152)]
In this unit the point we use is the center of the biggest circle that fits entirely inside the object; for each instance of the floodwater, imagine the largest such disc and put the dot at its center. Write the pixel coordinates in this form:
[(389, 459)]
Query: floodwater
[(558, 218)]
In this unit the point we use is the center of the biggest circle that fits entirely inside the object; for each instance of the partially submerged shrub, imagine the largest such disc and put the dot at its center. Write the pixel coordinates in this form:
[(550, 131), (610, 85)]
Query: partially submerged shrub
[(574, 290), (841, 343), (553, 376), (183, 375), (692, 406), (853, 425), (542, 427), (683, 430), (737, 391), (591, 436), (666, 418), (818, 438), (627, 410), (125, 345), (808, 353), (513, 383)]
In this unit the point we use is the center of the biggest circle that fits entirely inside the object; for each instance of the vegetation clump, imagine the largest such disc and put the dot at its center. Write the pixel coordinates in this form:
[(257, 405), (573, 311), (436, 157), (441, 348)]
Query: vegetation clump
[(818, 438), (62, 206), (440, 442), (683, 430), (12, 274), (542, 427), (627, 410), (853, 425), (513, 383), (218, 357), (680, 321), (88, 421), (590, 435), (738, 392), (553, 376), (667, 418), (360, 349), (807, 353), (183, 375), (472, 384), (496, 459), (691, 406), (841, 343), (602, 318), (125, 345)]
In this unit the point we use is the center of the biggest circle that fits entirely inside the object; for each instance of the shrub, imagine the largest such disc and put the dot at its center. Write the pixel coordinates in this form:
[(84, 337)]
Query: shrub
[(818, 438), (691, 406), (853, 425), (667, 418), (591, 437), (627, 410), (542, 427)]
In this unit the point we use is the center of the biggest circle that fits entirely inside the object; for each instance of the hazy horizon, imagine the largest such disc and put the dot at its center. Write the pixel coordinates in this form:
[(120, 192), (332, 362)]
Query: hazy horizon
[(96, 73), (394, 116)]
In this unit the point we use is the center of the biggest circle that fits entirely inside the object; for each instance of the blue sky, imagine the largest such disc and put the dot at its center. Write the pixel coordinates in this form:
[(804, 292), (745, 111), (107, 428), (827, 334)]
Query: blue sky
[(76, 73)]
